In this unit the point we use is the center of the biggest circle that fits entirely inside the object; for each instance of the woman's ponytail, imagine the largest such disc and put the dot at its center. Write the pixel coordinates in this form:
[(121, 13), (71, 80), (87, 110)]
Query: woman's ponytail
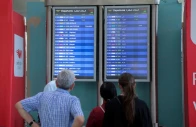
[(127, 82)]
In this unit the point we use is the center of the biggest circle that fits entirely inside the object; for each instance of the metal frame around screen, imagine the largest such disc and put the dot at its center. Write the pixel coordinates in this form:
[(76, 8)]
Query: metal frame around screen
[(105, 42), (95, 37)]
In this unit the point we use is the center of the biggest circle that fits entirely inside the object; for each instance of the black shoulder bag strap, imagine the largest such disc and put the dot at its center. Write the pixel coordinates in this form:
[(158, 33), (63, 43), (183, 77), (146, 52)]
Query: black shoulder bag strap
[(118, 100)]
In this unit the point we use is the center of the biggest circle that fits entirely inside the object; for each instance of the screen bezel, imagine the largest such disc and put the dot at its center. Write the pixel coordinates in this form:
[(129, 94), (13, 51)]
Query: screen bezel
[(148, 44), (95, 38)]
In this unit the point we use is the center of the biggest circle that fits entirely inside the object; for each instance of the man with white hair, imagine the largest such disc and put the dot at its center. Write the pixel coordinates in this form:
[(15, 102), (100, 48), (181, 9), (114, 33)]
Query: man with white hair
[(57, 108)]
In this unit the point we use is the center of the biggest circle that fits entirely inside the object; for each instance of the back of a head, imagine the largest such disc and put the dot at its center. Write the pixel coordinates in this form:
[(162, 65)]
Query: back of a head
[(126, 79), (65, 79), (108, 91), (127, 82)]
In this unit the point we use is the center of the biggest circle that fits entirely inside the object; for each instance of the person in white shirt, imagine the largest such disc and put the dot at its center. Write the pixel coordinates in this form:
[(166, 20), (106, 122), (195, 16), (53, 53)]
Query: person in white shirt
[(51, 86)]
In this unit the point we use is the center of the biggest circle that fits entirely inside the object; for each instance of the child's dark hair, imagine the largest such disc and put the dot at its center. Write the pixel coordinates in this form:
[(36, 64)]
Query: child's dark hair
[(108, 91)]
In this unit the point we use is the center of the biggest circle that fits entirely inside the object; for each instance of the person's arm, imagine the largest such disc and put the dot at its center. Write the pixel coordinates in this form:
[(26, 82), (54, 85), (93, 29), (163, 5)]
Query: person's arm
[(77, 113), (25, 106), (146, 117), (91, 120), (78, 121), (25, 115)]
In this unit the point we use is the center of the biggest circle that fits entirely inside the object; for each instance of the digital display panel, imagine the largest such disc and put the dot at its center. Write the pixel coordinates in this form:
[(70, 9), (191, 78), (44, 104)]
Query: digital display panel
[(74, 41), (127, 42)]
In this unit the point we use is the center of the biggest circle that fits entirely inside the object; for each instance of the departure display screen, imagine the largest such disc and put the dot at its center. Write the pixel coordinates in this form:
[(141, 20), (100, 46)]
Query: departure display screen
[(74, 41), (127, 42)]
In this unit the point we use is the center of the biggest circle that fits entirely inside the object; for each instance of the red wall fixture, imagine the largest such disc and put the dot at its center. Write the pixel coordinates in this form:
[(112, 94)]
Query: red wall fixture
[(12, 64), (190, 63)]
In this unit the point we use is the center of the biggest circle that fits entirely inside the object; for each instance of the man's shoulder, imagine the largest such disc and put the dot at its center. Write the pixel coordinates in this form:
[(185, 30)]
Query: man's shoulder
[(39, 94), (74, 97)]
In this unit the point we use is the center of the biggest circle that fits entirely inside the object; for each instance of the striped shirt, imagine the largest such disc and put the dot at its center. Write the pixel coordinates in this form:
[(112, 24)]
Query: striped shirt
[(56, 109)]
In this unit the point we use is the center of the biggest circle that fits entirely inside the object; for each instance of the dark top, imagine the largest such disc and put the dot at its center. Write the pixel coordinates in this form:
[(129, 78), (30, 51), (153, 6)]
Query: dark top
[(95, 118), (115, 116)]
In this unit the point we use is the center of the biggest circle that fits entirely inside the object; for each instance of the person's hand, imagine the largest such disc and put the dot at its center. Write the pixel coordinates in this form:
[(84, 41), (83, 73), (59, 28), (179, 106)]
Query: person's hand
[(35, 125)]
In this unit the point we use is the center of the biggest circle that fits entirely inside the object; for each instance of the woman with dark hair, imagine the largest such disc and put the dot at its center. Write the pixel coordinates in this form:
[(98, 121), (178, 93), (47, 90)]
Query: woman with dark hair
[(127, 110), (107, 91)]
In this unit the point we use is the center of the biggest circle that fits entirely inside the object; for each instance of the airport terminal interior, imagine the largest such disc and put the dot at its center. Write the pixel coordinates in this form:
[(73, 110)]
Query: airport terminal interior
[(154, 40)]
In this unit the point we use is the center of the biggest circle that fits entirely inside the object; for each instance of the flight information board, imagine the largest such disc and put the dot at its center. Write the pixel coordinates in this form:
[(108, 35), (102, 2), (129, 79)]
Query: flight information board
[(127, 38), (74, 41)]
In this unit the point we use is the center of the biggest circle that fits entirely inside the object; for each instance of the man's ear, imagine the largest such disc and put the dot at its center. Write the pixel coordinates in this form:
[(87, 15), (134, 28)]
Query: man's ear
[(72, 86), (56, 83)]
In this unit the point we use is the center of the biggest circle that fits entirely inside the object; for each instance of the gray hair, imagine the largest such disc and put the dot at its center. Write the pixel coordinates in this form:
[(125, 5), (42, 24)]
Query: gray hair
[(65, 79)]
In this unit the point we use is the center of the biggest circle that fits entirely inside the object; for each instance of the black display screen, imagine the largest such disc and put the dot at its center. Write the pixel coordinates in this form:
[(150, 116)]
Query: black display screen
[(74, 41), (127, 30)]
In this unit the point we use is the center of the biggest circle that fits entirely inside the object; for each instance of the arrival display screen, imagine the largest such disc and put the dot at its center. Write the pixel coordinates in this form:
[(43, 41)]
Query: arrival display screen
[(74, 41), (127, 42)]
